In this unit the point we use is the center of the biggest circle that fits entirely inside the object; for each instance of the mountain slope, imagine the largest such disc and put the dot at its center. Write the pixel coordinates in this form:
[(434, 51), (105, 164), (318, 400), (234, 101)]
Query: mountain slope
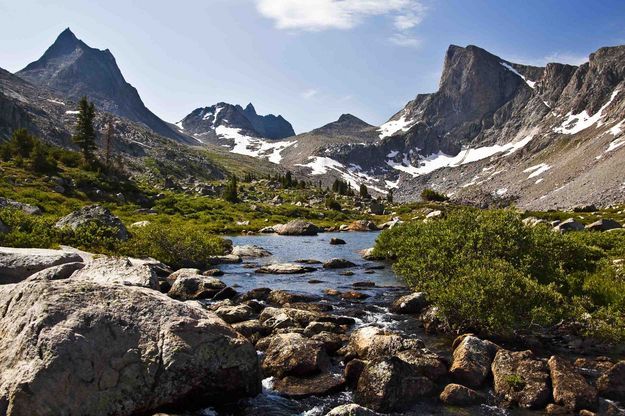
[(499, 132), (73, 69)]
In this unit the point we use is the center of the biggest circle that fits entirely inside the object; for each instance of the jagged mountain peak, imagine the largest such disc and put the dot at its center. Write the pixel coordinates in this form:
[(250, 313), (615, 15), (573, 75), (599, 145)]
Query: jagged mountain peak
[(204, 121), (73, 69)]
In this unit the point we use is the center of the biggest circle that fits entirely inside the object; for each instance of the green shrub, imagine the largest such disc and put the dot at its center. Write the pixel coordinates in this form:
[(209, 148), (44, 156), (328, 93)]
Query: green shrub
[(92, 237), (333, 204), (27, 230), (177, 244), (430, 195), (489, 272)]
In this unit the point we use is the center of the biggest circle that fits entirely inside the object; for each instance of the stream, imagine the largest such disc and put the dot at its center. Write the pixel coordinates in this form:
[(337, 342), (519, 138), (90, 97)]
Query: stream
[(371, 310)]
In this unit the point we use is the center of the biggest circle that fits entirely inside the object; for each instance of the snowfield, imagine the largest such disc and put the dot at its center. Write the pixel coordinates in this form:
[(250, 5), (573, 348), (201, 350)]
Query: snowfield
[(440, 160)]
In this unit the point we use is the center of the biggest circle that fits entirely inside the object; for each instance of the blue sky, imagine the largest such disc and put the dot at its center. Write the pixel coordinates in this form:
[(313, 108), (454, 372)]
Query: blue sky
[(309, 60)]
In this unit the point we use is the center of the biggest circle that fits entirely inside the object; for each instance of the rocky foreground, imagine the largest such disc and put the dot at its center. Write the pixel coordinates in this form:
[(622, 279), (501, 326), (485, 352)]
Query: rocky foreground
[(84, 334)]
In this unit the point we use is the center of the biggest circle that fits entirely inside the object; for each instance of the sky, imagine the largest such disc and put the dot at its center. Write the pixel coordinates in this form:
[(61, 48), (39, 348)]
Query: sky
[(309, 60)]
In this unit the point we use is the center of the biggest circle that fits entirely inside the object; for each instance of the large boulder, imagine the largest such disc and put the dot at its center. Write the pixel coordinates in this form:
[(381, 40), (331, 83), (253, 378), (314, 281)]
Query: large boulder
[(195, 287), (285, 268), (410, 304), (372, 342), (297, 227), (292, 354), (390, 384), (569, 225), (522, 379), (77, 347), (25, 208), (94, 214), (250, 251), (362, 225), (118, 270), (570, 389), (16, 264), (425, 363), (603, 225), (472, 358), (612, 383)]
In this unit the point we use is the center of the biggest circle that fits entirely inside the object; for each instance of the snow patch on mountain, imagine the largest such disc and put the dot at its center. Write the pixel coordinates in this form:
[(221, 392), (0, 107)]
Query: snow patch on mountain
[(393, 126), (537, 170), (253, 146), (531, 84), (574, 123), (440, 160), (353, 174)]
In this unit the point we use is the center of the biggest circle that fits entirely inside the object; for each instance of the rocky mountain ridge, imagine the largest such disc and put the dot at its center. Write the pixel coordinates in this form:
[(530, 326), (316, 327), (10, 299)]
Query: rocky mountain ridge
[(494, 125), (495, 132)]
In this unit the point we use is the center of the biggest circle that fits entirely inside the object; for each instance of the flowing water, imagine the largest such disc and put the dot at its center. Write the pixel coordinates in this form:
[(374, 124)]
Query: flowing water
[(372, 310)]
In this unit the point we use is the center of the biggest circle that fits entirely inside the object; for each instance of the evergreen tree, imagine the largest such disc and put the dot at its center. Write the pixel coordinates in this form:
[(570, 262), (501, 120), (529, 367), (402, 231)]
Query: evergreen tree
[(85, 135), (364, 192), (231, 191), (40, 159), (389, 196)]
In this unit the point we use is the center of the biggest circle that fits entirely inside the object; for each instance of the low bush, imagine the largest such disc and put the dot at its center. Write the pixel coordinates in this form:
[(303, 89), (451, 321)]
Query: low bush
[(489, 272), (430, 195), (176, 244)]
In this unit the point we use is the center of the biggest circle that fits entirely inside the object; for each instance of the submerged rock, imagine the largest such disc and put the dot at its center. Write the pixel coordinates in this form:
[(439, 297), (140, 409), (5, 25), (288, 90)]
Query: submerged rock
[(338, 264), (285, 268), (118, 350), (522, 379), (337, 241), (94, 214), (16, 264)]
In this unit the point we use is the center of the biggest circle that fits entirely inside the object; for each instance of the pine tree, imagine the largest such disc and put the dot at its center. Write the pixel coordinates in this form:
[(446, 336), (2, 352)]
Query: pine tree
[(389, 196), (231, 191), (364, 192), (85, 135)]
